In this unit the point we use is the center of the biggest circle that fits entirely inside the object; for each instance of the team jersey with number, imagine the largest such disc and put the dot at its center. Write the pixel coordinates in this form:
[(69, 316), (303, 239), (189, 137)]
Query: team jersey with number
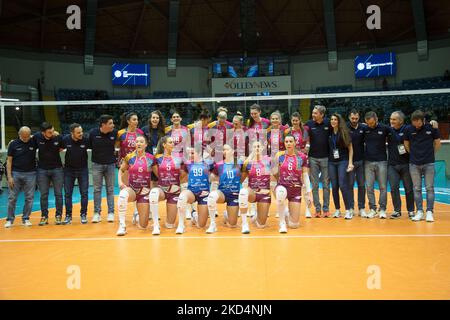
[(229, 176), (301, 136), (139, 169), (199, 135), (258, 173), (275, 139), (219, 131), (198, 175), (180, 138), (291, 168), (127, 141), (169, 172)]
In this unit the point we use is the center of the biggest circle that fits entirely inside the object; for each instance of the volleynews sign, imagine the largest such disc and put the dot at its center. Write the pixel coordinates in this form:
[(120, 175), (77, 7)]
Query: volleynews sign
[(375, 65), (125, 74), (251, 85)]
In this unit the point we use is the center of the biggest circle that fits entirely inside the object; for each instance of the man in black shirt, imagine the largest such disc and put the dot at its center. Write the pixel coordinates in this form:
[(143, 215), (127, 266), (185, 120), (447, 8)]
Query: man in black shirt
[(375, 165), (49, 170), (76, 168), (21, 173), (319, 131), (422, 142), (398, 165), (102, 141), (357, 134)]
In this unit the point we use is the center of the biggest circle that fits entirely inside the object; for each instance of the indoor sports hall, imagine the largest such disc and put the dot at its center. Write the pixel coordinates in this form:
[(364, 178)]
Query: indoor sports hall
[(72, 62)]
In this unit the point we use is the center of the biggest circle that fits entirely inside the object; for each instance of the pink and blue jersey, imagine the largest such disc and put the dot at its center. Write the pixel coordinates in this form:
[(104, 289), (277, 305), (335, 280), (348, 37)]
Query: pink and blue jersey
[(169, 173), (198, 175), (139, 170), (229, 177), (258, 173), (180, 137), (291, 169), (127, 141), (301, 137), (275, 139), (219, 131)]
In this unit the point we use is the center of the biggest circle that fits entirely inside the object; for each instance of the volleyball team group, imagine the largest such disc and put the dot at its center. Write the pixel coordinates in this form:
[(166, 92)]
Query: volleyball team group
[(243, 164)]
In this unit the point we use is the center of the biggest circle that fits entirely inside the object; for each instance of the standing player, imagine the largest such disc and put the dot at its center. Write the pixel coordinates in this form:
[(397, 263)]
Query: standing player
[(256, 124), (198, 171), (179, 134), (257, 168), (169, 177), (289, 168), (229, 174), (126, 141), (300, 132), (140, 165)]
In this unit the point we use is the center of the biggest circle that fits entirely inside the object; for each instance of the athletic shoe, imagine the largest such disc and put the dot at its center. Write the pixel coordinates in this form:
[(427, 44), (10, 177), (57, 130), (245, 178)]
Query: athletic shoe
[(110, 217), (67, 220), (326, 214), (212, 228), (395, 215), (245, 228), (418, 216), (135, 219), (411, 214), (383, 214), (96, 218), (8, 224), (352, 212), (348, 214), (180, 229), (58, 220), (84, 219), (372, 214), (337, 214), (156, 230), (26, 223), (362, 213), (122, 230), (44, 221), (283, 227), (429, 216), (317, 214), (308, 214)]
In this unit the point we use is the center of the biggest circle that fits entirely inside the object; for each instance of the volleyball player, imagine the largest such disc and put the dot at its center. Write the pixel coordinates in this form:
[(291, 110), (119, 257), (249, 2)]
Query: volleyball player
[(198, 171), (229, 175), (126, 141), (139, 165), (257, 168), (289, 168), (170, 176), (179, 134), (300, 132)]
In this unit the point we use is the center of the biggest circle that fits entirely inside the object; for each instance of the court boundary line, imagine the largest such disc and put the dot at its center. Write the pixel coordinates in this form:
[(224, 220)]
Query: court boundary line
[(335, 236)]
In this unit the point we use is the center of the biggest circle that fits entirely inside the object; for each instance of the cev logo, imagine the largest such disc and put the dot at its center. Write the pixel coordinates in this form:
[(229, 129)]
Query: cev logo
[(117, 73), (360, 66)]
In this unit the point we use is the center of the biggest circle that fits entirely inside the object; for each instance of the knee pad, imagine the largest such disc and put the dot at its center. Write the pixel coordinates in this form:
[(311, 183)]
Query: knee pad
[(243, 198), (182, 201), (212, 200), (154, 196), (280, 194)]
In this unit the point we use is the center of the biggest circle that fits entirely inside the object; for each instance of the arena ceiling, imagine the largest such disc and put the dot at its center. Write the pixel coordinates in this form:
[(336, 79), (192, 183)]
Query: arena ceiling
[(213, 28)]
